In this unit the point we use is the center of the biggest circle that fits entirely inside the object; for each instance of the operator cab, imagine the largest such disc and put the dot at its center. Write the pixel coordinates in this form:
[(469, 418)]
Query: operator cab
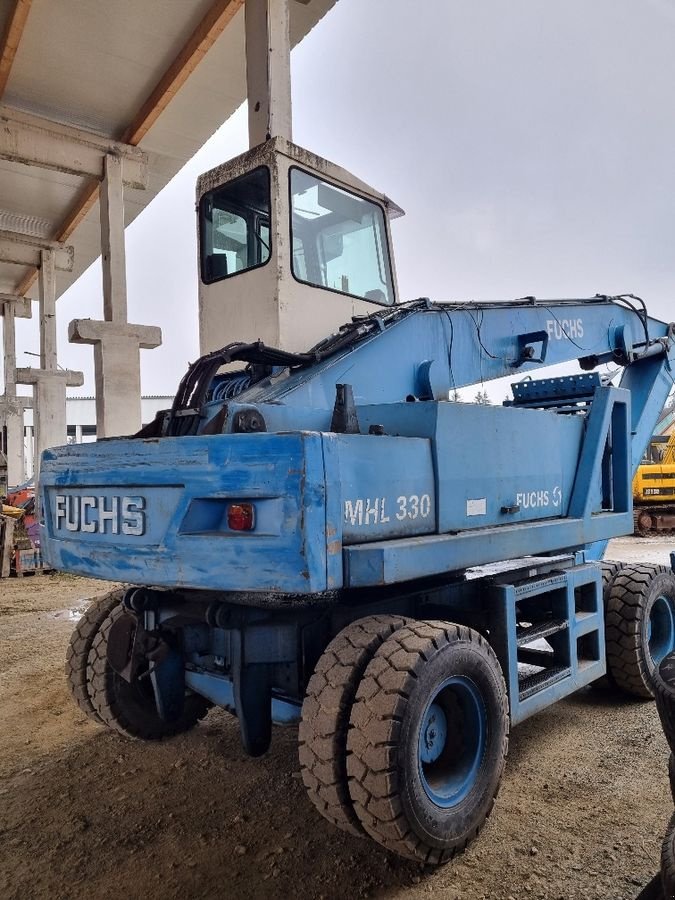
[(291, 247)]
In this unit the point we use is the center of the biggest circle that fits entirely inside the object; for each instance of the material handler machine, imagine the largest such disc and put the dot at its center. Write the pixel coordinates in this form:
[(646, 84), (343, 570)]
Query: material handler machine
[(314, 533)]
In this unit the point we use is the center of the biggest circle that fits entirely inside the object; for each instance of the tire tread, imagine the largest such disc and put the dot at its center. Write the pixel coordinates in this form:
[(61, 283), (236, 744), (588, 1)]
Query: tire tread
[(372, 745), (626, 662), (79, 646), (325, 716)]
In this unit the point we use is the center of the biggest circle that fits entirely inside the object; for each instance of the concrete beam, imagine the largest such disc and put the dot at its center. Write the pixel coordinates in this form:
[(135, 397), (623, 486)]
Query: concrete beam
[(22, 307), (215, 21), (35, 141), (24, 250), (117, 367), (29, 375), (268, 70), (90, 331), (16, 22), (14, 405)]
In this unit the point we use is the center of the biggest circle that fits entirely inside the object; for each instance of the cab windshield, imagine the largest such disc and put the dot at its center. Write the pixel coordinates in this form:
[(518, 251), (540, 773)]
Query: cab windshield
[(339, 240)]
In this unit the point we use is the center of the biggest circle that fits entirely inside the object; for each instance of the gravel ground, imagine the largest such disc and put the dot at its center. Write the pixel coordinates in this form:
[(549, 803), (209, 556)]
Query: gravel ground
[(84, 813)]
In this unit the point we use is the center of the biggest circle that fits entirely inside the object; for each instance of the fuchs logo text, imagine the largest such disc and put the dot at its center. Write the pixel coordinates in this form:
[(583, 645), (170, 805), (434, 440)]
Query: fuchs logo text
[(566, 328), (100, 515)]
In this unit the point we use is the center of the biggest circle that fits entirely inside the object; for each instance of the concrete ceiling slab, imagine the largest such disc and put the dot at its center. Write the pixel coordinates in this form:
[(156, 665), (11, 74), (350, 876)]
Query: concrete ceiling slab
[(97, 66)]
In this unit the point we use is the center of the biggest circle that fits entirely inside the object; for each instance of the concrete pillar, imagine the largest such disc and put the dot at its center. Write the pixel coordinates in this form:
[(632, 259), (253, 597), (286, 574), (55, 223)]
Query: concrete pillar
[(268, 70), (47, 276), (113, 256), (30, 450), (117, 370), (49, 383), (13, 409), (78, 434), (117, 364)]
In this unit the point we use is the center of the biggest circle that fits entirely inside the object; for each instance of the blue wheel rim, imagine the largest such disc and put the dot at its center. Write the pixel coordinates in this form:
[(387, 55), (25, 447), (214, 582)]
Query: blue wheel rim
[(661, 629), (452, 740)]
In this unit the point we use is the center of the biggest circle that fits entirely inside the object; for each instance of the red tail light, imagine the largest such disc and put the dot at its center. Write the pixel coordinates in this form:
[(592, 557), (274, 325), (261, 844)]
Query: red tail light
[(241, 516)]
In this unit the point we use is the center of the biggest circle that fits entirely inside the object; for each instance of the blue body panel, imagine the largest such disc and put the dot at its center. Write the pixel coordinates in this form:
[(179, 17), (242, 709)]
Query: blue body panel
[(188, 483)]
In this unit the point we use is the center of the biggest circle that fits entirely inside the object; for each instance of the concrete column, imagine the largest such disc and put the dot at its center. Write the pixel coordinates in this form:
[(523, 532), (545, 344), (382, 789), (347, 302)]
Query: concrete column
[(49, 383), (13, 410), (47, 276), (113, 257), (117, 364), (30, 450), (268, 70), (78, 434), (117, 370), (50, 409)]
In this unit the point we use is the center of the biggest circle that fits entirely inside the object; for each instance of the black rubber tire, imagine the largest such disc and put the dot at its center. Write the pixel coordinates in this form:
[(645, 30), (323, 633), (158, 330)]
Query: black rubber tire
[(664, 694), (653, 890), (668, 862), (325, 716), (671, 775), (632, 595), (610, 569), (130, 708), (78, 650), (383, 741)]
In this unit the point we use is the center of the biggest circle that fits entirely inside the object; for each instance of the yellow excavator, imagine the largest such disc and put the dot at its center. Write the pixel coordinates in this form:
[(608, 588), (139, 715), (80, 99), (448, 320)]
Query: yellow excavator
[(654, 488)]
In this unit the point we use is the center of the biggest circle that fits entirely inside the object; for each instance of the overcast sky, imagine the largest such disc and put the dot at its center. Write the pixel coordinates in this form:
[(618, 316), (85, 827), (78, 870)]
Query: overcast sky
[(531, 144)]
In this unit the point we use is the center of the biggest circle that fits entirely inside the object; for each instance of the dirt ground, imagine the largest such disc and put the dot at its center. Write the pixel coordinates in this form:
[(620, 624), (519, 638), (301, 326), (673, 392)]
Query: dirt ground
[(86, 814)]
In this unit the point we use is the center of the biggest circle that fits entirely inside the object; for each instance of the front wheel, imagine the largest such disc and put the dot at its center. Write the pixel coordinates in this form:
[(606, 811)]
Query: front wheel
[(428, 740)]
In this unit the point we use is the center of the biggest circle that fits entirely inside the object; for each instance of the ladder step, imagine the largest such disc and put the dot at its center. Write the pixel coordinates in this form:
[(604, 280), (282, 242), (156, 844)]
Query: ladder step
[(532, 684), (540, 630)]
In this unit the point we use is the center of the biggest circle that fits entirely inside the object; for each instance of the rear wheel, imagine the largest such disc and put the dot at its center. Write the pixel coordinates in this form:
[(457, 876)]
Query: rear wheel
[(325, 716), (664, 694), (428, 740), (668, 861), (640, 626), (653, 890), (80, 645), (130, 708)]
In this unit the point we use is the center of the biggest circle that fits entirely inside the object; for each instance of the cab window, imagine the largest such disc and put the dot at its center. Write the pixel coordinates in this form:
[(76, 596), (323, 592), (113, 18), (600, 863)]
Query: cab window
[(339, 240), (234, 226)]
